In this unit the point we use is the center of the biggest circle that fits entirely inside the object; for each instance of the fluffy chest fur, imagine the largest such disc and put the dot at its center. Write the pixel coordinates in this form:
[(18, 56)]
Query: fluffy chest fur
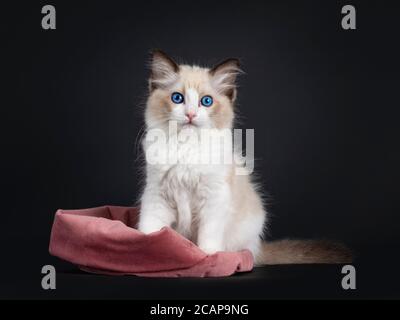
[(186, 183)]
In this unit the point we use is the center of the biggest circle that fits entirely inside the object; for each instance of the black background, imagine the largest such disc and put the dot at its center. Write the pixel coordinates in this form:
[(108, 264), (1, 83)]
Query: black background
[(323, 102)]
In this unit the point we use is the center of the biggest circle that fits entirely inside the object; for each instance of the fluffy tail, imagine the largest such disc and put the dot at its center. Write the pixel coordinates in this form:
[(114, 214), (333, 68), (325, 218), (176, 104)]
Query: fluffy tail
[(303, 252)]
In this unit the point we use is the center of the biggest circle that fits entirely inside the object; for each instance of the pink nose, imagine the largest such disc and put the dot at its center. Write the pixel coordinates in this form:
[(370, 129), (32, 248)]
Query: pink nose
[(190, 116)]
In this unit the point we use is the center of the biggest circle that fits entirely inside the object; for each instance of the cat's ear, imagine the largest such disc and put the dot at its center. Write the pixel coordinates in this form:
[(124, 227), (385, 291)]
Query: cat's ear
[(164, 70), (223, 77)]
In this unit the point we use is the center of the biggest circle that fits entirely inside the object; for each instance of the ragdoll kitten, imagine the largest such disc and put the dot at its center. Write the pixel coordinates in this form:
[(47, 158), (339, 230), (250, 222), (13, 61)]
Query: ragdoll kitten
[(209, 204)]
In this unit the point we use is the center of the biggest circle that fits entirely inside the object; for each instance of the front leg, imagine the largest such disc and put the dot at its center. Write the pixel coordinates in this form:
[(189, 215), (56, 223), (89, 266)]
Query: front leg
[(155, 213), (214, 216)]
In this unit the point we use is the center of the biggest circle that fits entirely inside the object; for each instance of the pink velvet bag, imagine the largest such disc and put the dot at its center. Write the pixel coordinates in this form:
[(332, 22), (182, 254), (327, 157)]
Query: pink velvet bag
[(103, 240)]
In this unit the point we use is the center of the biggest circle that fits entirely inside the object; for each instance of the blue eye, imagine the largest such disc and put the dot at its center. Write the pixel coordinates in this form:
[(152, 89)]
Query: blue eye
[(177, 98), (207, 101)]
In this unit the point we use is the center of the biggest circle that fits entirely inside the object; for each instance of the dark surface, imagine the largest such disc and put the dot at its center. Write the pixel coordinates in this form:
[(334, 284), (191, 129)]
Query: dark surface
[(323, 102), (266, 282), (377, 277)]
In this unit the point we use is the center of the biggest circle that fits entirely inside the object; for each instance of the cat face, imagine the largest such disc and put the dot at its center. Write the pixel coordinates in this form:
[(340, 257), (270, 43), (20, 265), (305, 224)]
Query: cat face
[(189, 95)]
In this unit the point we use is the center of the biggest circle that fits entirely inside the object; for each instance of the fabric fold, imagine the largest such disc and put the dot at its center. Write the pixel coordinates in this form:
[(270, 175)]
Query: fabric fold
[(104, 240)]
